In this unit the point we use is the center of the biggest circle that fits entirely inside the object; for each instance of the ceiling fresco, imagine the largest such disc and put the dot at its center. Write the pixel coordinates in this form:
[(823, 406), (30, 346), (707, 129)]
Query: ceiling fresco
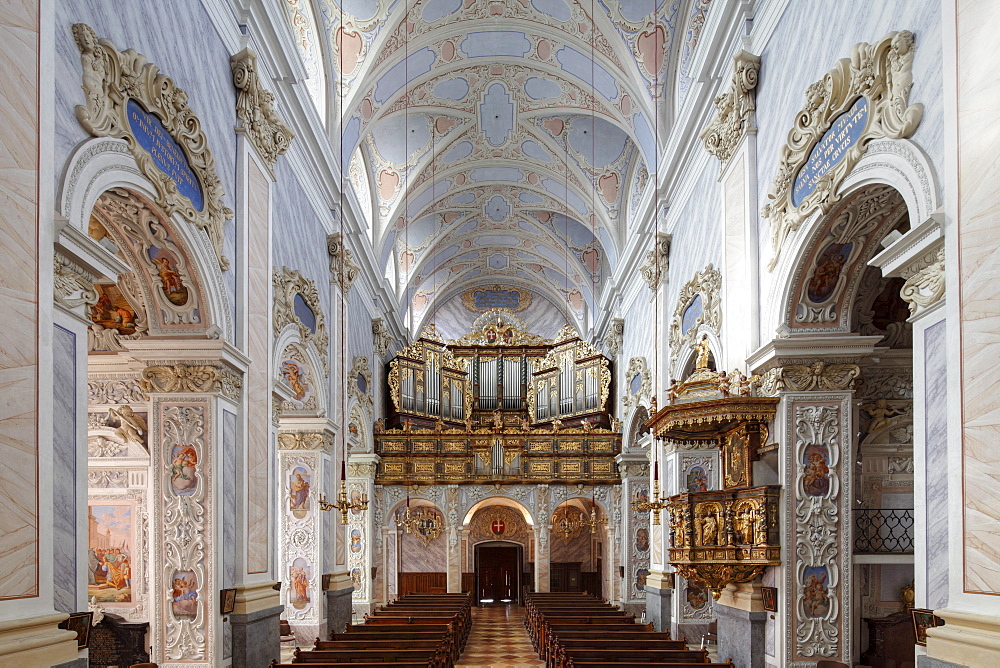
[(497, 141)]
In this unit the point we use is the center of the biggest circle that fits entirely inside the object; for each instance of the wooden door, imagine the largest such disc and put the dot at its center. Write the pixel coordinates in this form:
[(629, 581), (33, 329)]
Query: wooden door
[(497, 572)]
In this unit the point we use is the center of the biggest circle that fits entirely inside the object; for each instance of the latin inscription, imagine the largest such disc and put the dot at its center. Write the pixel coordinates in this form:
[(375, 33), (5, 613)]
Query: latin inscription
[(166, 153), (843, 134)]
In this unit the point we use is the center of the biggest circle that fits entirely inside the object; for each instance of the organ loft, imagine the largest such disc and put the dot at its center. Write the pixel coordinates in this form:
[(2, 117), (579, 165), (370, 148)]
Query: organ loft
[(538, 332)]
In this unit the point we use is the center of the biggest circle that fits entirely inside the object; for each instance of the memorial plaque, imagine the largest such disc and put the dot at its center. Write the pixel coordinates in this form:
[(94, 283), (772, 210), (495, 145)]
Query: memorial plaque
[(843, 134), (166, 153)]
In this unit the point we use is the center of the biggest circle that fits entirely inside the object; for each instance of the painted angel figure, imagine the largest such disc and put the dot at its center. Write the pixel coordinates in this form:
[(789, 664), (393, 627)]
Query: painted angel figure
[(132, 426)]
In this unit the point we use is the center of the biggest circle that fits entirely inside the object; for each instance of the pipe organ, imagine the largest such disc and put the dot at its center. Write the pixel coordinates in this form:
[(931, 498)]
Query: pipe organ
[(498, 404), (500, 368)]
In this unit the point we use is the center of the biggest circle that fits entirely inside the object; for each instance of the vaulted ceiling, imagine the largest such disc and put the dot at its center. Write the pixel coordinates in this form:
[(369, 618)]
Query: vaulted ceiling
[(497, 141)]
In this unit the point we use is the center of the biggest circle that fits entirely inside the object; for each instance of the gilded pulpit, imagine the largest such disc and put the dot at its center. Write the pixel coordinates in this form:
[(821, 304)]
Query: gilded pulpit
[(730, 535)]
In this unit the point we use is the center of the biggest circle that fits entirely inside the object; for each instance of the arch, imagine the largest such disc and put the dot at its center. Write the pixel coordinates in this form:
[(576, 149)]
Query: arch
[(103, 164), (499, 500), (684, 358), (637, 429), (297, 374), (898, 163), (817, 286)]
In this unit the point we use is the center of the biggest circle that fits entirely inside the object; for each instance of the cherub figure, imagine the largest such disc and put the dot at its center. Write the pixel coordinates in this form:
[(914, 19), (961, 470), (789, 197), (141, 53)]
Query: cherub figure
[(880, 411), (132, 425)]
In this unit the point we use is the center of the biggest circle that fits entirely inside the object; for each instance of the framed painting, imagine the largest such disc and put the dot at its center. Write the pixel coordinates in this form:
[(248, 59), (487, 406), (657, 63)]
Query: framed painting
[(79, 623), (227, 600), (769, 597), (922, 620)]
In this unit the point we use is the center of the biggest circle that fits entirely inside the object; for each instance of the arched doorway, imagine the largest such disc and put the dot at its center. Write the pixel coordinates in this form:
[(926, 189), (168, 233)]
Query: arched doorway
[(498, 571)]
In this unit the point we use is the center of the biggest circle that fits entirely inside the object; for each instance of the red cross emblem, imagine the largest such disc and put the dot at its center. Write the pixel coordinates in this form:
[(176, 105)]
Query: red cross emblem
[(498, 526)]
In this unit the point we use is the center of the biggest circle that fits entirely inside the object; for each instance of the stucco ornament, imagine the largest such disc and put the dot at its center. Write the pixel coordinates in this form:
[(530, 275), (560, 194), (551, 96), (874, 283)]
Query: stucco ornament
[(305, 440), (72, 285), (733, 110), (706, 285), (816, 376), (360, 369), (925, 287), (873, 84), (170, 378), (654, 269), (381, 338), (817, 533), (255, 110), (343, 269), (637, 366), (613, 339), (288, 284), (112, 78)]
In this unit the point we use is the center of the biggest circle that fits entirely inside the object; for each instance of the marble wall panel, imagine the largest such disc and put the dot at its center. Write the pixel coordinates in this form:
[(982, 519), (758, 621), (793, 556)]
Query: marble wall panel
[(64, 473), (258, 376), (979, 259), (936, 457), (415, 557), (19, 255), (229, 518), (198, 63)]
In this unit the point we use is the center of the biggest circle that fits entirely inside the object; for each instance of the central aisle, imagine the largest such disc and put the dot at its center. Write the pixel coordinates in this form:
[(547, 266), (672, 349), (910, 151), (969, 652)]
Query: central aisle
[(499, 639)]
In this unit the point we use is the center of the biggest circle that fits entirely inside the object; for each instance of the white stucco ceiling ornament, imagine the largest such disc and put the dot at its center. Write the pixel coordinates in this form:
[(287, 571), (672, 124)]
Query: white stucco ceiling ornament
[(447, 105), (258, 118), (864, 97)]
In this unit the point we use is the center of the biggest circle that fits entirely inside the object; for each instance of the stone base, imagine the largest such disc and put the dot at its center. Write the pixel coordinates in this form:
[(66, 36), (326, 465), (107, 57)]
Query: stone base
[(255, 625), (741, 636), (79, 663), (338, 602), (928, 662), (37, 641), (966, 639), (658, 604)]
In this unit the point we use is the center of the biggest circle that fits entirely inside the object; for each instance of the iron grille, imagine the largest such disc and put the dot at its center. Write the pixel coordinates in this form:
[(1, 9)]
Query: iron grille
[(883, 531)]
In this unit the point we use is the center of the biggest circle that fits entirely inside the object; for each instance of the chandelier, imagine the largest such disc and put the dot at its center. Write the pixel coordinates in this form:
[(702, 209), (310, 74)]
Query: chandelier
[(655, 503), (343, 504)]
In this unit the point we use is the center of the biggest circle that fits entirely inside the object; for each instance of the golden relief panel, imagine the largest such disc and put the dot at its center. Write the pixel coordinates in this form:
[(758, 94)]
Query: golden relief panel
[(601, 446), (424, 468), (574, 467), (540, 446), (424, 446), (393, 468), (601, 467), (454, 468), (540, 467), (570, 446), (454, 446), (393, 446)]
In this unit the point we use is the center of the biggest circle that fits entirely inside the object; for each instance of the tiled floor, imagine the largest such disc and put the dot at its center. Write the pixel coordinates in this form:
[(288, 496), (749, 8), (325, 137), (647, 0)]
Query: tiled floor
[(499, 639)]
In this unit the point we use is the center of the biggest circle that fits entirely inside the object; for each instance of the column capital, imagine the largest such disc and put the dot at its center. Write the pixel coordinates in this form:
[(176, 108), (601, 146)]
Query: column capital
[(917, 257)]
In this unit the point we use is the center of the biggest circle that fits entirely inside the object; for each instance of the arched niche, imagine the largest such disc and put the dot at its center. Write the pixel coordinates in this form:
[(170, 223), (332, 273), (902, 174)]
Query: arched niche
[(104, 165), (896, 163), (818, 292)]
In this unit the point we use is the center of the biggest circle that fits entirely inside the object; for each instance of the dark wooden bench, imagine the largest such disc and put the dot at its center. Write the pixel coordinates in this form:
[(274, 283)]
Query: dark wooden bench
[(370, 655)]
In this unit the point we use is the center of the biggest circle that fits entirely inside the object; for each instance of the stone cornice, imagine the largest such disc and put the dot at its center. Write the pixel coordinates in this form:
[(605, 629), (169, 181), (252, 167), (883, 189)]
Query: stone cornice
[(797, 349)]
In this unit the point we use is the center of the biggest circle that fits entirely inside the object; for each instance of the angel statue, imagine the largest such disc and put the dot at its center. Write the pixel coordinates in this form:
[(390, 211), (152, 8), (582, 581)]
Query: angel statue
[(132, 425)]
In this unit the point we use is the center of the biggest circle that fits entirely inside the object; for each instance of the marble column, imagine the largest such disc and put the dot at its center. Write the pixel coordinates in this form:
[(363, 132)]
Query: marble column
[(741, 617)]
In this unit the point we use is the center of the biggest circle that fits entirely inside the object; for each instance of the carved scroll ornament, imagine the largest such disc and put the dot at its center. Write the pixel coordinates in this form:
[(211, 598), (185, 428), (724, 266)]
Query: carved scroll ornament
[(287, 284), (343, 270), (706, 285), (864, 97), (255, 110), (111, 80), (733, 109)]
